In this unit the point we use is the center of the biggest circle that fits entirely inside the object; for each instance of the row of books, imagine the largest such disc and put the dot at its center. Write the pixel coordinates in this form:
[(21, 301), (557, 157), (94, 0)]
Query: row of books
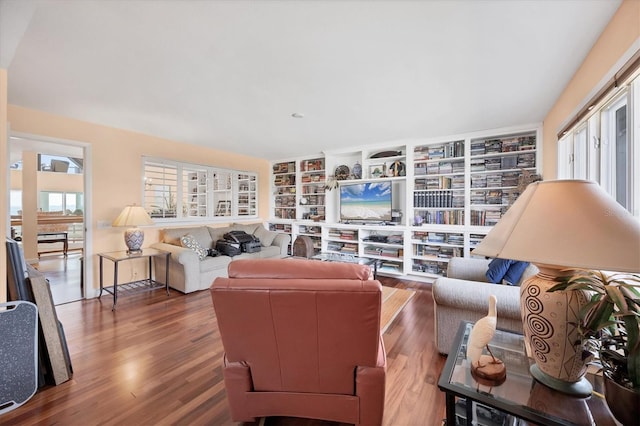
[(343, 234), (441, 167), (490, 146), (281, 227), (494, 196), (285, 213), (312, 165), (285, 201), (429, 267), (383, 251), (342, 247), (486, 217), (438, 199), (494, 180), (439, 237), (442, 217), (284, 167), (448, 150), (313, 178), (281, 180), (442, 252), (440, 182), (520, 161)]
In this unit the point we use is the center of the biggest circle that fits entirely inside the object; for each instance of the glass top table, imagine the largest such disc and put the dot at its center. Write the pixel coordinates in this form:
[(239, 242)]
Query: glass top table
[(520, 399)]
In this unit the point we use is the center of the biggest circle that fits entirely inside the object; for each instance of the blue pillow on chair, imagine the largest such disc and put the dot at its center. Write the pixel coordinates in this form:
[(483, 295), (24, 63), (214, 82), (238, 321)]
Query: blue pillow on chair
[(513, 275), (506, 270), (498, 269)]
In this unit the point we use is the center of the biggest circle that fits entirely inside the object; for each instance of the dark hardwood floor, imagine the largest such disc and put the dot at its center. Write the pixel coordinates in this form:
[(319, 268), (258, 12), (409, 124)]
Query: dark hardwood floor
[(157, 361)]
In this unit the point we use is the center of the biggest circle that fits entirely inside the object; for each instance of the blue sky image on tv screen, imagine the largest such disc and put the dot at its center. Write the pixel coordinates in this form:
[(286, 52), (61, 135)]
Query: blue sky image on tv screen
[(367, 201)]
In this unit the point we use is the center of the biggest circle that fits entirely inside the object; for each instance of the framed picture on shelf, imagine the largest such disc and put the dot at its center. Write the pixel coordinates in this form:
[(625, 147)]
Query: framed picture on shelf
[(377, 170)]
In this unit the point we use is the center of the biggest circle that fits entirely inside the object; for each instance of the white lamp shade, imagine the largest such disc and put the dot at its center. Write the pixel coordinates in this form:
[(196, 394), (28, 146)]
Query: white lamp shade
[(133, 216), (566, 224)]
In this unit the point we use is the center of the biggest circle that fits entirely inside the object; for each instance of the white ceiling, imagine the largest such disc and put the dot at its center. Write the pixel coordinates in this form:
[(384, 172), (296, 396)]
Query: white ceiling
[(229, 74)]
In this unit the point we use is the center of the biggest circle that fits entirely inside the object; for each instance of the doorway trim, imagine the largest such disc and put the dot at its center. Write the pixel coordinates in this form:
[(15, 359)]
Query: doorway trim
[(87, 271)]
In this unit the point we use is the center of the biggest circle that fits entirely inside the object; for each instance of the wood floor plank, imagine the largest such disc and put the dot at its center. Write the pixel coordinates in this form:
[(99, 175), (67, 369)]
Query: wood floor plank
[(156, 360)]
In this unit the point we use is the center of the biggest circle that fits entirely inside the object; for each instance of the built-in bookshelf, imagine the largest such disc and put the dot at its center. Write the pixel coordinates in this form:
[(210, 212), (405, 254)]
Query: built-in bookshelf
[(284, 183), (197, 193), (439, 183), (447, 193), (496, 164), (312, 189), (432, 250), (247, 194), (312, 231)]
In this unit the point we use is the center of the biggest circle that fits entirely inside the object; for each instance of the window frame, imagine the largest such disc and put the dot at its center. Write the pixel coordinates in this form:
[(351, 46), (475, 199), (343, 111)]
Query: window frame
[(212, 195)]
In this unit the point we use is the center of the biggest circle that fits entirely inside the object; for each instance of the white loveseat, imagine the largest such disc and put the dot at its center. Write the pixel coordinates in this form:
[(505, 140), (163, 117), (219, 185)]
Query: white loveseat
[(187, 273), (463, 295)]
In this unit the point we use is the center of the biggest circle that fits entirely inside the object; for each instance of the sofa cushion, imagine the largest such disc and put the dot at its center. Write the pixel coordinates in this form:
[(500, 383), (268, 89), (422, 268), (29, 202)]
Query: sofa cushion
[(218, 233), (200, 233), (266, 237), (249, 228), (189, 241)]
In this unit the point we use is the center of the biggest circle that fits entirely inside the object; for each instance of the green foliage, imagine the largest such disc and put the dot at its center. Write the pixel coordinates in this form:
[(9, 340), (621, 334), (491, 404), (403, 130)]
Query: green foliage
[(611, 320)]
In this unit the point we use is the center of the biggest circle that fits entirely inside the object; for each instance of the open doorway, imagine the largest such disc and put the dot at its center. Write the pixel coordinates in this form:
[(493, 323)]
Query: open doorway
[(47, 207)]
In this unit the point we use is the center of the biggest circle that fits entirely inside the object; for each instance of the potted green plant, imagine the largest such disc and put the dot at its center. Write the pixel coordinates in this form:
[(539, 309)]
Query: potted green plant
[(610, 322)]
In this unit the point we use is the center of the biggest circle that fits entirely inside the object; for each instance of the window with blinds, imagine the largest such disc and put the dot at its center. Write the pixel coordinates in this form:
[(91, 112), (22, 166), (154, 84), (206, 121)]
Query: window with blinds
[(174, 190), (161, 189)]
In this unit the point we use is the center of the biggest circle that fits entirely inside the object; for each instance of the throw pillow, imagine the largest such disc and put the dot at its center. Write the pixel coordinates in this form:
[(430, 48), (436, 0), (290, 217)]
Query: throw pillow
[(265, 236), (513, 275), (497, 270), (189, 241)]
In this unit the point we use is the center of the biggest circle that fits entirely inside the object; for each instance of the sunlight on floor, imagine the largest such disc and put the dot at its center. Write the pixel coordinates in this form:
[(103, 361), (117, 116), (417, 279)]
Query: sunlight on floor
[(63, 275)]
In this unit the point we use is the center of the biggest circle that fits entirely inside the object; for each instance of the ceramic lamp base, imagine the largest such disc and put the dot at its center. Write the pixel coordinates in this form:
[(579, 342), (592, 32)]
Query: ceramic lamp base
[(133, 238), (582, 388)]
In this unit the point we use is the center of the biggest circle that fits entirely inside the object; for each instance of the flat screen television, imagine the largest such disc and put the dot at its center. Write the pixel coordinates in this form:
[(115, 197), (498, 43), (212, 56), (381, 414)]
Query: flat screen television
[(366, 202)]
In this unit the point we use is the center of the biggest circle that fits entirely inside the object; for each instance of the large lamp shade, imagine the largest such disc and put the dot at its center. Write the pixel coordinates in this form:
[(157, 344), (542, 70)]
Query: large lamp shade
[(132, 217), (561, 226)]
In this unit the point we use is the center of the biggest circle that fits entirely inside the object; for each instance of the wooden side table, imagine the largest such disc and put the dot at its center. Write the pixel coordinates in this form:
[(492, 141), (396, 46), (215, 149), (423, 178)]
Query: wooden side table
[(146, 284)]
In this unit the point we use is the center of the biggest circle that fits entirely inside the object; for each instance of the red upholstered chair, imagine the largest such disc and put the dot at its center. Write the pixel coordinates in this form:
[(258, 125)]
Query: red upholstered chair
[(301, 339)]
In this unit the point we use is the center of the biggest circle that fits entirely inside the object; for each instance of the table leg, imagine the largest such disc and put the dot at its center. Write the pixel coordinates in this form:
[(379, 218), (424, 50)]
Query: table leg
[(65, 246), (150, 274), (451, 409), (115, 285), (101, 283), (166, 273)]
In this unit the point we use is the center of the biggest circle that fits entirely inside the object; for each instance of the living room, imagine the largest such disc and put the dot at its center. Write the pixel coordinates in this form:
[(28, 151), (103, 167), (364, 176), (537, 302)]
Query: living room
[(114, 155)]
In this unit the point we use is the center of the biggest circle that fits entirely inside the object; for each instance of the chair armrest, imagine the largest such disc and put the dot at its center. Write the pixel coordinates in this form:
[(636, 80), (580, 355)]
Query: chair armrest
[(182, 255), (466, 268), (237, 382), (282, 240), (370, 389)]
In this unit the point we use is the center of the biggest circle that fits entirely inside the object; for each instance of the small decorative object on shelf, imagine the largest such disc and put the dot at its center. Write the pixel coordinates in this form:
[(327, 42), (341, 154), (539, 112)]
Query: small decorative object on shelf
[(342, 172), (385, 154), (377, 170), (397, 169), (357, 171)]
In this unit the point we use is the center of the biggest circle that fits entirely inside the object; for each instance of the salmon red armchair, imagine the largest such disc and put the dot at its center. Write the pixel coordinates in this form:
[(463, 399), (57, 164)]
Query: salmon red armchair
[(301, 339)]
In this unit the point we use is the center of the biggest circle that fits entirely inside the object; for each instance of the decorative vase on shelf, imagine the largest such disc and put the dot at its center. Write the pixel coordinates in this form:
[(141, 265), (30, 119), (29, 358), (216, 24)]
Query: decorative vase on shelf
[(357, 171)]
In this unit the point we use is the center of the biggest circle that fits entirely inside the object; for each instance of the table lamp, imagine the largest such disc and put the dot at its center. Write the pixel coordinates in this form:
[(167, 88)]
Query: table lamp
[(561, 226), (133, 216)]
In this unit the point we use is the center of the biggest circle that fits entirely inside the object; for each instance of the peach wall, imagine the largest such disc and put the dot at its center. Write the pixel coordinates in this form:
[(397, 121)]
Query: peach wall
[(50, 181), (117, 167), (3, 172), (618, 37)]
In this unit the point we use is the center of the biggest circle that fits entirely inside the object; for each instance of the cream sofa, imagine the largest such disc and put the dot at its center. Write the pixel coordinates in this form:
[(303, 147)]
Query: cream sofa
[(187, 273), (464, 296)]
